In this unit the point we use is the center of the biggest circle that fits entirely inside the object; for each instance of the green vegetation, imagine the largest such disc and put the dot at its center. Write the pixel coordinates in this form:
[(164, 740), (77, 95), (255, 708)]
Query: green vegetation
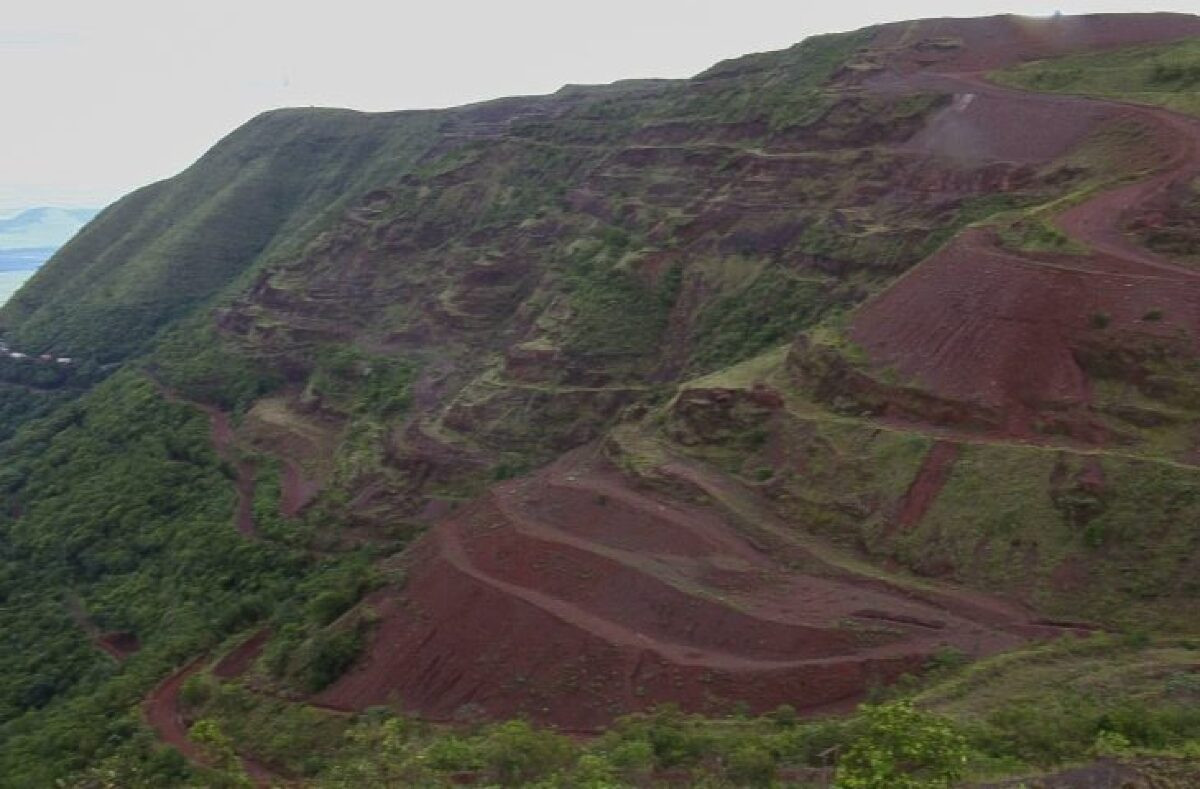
[(124, 504), (1165, 75), (899, 746), (1178, 234), (162, 251), (195, 361), (1109, 556), (615, 312), (316, 635), (555, 265), (1036, 233), (1058, 703), (764, 310), (352, 382), (784, 88)]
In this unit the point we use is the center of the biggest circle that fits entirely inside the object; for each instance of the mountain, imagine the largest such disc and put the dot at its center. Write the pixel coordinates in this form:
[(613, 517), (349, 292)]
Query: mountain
[(30, 238), (679, 416), (38, 231)]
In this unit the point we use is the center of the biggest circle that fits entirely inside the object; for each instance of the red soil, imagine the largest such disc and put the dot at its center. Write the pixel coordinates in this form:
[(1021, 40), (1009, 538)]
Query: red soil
[(928, 483), (163, 714), (1004, 331), (223, 442), (983, 124), (1002, 41), (297, 490), (235, 663), (119, 645), (571, 597)]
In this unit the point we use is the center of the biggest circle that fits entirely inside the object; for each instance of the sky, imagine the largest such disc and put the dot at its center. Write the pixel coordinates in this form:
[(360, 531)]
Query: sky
[(99, 98)]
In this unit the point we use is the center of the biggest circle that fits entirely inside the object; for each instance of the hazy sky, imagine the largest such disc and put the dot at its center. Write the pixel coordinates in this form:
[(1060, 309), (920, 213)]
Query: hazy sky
[(97, 98)]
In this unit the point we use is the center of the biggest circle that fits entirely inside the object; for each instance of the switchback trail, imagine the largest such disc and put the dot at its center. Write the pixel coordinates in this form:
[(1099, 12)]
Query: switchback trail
[(163, 713), (997, 337), (1095, 222)]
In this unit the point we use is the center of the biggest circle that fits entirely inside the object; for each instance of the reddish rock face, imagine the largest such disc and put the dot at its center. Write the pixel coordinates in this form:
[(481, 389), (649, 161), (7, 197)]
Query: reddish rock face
[(572, 598), (575, 595)]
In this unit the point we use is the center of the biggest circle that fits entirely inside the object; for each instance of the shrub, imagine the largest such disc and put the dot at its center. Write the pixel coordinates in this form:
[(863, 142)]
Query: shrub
[(196, 691), (901, 747), (329, 654), (750, 765), (516, 754)]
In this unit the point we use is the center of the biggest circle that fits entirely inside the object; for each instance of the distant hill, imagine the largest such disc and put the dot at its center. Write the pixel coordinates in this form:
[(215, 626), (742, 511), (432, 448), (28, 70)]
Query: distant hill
[(41, 229), (27, 259)]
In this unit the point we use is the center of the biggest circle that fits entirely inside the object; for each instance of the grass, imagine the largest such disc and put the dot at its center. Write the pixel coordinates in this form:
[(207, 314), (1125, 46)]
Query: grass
[(1022, 713), (1165, 75), (763, 310), (121, 497), (1064, 701), (157, 254), (1110, 556), (1117, 565)]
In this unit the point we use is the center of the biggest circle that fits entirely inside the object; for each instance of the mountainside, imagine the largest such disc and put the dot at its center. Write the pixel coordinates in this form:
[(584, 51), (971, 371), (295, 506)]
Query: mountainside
[(866, 369)]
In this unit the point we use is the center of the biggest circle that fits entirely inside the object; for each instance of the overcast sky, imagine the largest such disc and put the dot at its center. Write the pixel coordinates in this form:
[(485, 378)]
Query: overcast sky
[(98, 98)]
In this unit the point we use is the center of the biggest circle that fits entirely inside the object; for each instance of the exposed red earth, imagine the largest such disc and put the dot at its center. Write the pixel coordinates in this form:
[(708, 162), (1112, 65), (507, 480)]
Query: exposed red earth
[(236, 662), (572, 597), (1001, 331), (296, 490), (575, 595), (118, 645), (163, 713), (934, 472)]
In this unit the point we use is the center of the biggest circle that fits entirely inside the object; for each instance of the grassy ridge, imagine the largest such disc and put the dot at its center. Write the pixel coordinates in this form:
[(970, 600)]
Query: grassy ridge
[(1164, 75), (156, 254)]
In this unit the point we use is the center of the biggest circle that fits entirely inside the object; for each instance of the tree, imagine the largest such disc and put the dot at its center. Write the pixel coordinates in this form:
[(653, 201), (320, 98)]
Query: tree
[(901, 747)]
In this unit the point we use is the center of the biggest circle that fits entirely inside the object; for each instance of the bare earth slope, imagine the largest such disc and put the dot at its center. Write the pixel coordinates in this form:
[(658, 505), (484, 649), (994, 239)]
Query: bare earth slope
[(764, 387), (1006, 332), (572, 596)]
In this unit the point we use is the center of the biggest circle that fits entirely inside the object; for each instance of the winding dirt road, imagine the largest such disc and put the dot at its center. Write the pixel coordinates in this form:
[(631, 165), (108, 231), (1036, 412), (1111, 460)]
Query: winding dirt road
[(223, 442), (1096, 222), (163, 713), (997, 332)]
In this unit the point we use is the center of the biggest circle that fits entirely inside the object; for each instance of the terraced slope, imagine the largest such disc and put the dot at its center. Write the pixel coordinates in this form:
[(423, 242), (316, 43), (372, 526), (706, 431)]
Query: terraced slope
[(1010, 333), (570, 596), (762, 387), (989, 336)]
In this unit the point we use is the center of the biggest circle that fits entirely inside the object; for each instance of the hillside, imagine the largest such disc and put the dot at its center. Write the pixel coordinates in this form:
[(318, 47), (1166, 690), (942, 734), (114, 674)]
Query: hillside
[(860, 371)]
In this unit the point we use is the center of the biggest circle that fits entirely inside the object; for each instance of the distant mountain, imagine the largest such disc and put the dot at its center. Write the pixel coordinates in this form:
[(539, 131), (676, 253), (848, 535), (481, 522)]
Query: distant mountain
[(25, 259), (40, 229)]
